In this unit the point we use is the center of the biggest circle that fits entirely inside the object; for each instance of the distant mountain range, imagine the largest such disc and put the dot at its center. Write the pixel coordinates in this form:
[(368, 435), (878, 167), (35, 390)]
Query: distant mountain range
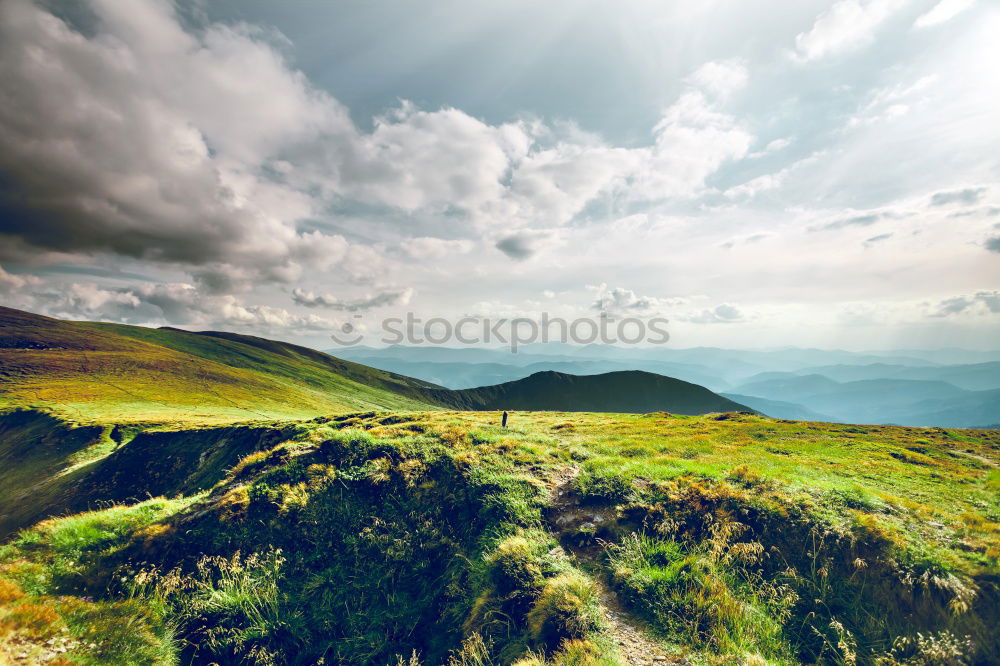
[(89, 371), (900, 401), (167, 375), (946, 387)]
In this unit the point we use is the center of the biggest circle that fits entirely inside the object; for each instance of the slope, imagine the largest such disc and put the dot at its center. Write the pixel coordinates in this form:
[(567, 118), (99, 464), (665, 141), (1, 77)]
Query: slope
[(564, 539), (94, 372), (115, 373)]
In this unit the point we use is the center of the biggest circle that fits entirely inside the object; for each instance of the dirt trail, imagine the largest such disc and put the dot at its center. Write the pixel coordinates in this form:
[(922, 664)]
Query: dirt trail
[(565, 514), (635, 645)]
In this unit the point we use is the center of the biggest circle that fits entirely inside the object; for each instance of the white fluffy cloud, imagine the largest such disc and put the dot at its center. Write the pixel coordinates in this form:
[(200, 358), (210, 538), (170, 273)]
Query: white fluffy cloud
[(13, 283), (720, 77), (153, 142), (178, 304), (417, 159), (694, 139), (620, 300), (943, 11), (846, 24)]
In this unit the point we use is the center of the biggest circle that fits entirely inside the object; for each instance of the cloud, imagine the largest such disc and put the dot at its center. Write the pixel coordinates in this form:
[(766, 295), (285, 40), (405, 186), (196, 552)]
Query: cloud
[(982, 302), (524, 244), (724, 313), (747, 240), (991, 299), (551, 186), (425, 247), (692, 141), (992, 244), (178, 304), (865, 220), (148, 140), (416, 159), (987, 211), (144, 141), (772, 147), (12, 283), (877, 239), (754, 186), (312, 300), (945, 10), (966, 197), (847, 24), (625, 301), (890, 103), (720, 77)]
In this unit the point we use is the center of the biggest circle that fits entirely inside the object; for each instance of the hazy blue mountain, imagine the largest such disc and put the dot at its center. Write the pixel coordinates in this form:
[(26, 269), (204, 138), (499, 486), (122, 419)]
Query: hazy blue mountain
[(973, 377), (789, 387), (727, 365), (945, 356), (779, 408), (900, 401), (972, 409)]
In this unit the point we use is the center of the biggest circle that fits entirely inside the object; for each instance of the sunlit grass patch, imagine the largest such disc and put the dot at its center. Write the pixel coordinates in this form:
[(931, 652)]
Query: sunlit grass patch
[(68, 554)]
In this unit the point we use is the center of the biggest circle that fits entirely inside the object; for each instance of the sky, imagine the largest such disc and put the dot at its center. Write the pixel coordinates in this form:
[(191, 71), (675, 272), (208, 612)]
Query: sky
[(769, 174)]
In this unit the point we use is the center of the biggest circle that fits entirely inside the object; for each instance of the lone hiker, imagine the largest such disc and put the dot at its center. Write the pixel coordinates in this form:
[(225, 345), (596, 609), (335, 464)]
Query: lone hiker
[(503, 423)]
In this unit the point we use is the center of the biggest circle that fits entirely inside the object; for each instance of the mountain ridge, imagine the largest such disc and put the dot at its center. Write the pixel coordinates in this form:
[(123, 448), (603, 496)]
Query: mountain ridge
[(95, 371), (625, 391)]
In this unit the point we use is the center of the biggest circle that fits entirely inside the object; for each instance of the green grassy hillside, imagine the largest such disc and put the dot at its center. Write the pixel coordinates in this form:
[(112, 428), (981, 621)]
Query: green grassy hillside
[(114, 373), (566, 538), (94, 372)]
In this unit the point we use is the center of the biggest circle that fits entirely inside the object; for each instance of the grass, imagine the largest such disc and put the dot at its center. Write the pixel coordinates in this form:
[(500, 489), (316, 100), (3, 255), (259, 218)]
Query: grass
[(370, 537), (322, 511), (100, 373), (832, 468), (698, 597), (325, 511), (45, 617)]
